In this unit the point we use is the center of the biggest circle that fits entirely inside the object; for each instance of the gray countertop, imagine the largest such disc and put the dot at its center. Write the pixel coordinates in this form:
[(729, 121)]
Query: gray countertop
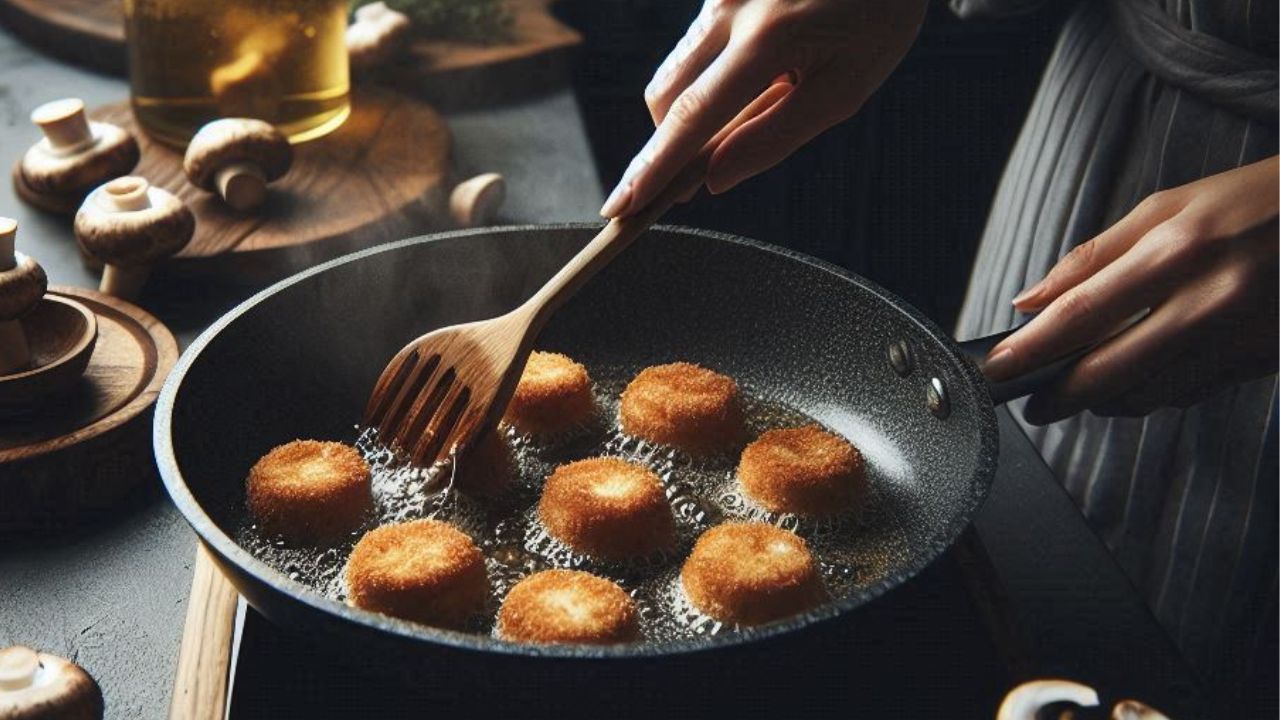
[(114, 598)]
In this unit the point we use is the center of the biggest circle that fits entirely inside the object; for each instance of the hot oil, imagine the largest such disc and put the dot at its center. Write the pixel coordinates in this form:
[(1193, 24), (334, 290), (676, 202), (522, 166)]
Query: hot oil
[(852, 551), (192, 61)]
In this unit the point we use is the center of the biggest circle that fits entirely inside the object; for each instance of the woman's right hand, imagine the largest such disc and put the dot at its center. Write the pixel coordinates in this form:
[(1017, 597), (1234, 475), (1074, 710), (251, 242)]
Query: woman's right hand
[(834, 52)]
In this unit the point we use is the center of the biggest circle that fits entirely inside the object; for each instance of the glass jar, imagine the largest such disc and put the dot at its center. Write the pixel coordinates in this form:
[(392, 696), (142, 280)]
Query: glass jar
[(192, 61)]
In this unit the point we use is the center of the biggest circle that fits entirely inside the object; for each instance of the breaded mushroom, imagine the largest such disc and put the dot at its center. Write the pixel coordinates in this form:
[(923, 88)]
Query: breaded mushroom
[(751, 573), (607, 508), (425, 570), (804, 470), (683, 405), (309, 491), (567, 606), (554, 396)]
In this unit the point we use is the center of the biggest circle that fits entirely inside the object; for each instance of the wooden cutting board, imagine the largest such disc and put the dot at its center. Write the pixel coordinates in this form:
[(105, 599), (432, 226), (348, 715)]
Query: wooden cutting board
[(382, 176), (91, 32)]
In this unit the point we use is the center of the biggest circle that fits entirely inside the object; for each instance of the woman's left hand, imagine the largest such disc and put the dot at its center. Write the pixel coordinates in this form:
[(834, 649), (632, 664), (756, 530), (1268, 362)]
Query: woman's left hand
[(1202, 258)]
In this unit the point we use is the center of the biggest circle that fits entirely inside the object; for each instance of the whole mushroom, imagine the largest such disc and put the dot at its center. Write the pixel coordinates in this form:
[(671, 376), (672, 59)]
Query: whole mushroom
[(22, 284), (129, 225), (40, 686), (75, 155), (1038, 699), (236, 158)]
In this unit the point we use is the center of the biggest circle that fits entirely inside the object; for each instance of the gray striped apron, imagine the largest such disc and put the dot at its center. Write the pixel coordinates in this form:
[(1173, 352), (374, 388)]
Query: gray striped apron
[(1138, 96)]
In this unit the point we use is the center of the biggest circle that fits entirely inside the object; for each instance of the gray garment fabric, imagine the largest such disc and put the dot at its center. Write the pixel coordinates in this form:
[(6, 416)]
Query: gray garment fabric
[(1186, 499)]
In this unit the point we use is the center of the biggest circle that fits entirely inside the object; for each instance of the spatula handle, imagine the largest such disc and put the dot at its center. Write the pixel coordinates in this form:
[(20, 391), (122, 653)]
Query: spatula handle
[(618, 234)]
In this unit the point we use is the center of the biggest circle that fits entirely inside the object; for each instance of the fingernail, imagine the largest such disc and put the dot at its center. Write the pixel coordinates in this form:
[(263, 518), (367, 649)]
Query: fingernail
[(618, 200), (1026, 296), (999, 365)]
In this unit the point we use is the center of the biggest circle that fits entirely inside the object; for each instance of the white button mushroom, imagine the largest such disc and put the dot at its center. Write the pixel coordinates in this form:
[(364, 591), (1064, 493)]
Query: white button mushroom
[(375, 35), (22, 284), (40, 686), (76, 154), (129, 225), (236, 158)]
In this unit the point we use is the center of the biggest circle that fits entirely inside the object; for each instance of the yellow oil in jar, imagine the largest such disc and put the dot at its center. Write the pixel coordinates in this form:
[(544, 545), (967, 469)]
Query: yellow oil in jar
[(192, 61)]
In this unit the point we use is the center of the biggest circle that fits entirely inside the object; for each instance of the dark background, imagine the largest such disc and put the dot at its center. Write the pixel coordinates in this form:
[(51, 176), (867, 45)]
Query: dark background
[(898, 194)]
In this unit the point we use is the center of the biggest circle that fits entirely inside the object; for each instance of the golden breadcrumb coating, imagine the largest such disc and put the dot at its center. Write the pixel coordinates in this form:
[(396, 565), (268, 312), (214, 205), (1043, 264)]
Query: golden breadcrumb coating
[(425, 570), (309, 491), (685, 406), (607, 508), (751, 573), (567, 606), (804, 470), (554, 396)]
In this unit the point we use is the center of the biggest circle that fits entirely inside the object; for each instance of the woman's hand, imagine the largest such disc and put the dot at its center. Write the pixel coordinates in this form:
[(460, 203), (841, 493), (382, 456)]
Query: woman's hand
[(834, 52), (1203, 258)]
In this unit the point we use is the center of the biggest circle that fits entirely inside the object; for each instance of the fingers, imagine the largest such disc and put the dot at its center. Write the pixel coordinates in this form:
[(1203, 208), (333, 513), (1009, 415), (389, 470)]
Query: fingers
[(1090, 257), (766, 100), (727, 85), (1115, 366), (804, 112), (1098, 306), (706, 37)]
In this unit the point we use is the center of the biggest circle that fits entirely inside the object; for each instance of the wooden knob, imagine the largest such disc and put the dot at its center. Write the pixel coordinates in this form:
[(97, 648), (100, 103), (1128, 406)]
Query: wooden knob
[(476, 201)]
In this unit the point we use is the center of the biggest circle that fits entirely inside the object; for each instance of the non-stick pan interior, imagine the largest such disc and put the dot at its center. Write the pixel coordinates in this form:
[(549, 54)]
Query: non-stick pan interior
[(300, 359)]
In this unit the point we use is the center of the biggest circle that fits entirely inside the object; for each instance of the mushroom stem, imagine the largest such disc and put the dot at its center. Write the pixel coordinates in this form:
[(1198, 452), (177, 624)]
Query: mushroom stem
[(124, 282), (64, 125), (127, 194), (15, 354), (243, 185), (18, 666), (8, 234)]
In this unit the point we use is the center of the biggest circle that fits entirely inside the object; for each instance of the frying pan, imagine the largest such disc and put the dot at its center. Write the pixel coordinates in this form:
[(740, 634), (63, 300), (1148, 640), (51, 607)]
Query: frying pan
[(299, 359)]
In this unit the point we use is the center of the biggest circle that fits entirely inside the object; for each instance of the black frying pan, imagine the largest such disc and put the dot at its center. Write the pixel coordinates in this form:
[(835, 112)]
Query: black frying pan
[(299, 359)]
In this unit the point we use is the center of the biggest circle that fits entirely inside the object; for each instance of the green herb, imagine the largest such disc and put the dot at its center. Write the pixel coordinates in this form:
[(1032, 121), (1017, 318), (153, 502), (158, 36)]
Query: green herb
[(472, 20)]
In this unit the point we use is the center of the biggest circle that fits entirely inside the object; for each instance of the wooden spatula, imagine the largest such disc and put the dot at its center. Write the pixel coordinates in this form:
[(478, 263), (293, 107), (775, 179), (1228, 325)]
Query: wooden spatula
[(441, 389)]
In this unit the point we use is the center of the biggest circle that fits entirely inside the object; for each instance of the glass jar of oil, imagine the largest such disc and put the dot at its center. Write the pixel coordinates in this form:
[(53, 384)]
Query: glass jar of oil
[(192, 61)]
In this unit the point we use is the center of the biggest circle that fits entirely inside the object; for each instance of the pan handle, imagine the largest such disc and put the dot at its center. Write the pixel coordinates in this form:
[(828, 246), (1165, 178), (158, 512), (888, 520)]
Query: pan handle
[(1023, 385), (1040, 378)]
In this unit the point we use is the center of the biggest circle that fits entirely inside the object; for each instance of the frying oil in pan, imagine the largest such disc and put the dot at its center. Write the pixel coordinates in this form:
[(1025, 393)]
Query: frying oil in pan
[(852, 551)]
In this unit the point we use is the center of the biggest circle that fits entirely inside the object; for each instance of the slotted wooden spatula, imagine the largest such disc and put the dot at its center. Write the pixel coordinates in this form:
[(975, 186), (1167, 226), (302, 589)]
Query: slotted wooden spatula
[(441, 389)]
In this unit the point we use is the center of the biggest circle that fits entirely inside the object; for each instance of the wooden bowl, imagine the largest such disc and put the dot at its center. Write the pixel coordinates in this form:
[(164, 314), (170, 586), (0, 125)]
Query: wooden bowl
[(62, 334)]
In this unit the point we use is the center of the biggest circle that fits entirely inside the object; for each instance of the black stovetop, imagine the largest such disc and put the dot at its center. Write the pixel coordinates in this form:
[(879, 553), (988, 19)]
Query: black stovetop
[(1028, 592)]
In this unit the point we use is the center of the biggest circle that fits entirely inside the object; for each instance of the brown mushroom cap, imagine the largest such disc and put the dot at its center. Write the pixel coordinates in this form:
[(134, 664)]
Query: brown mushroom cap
[(35, 686), (110, 231), (58, 165), (21, 288), (236, 140)]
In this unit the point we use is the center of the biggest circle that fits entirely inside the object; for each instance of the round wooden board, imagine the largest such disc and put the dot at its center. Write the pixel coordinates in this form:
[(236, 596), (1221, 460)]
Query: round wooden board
[(78, 456), (92, 32), (382, 176)]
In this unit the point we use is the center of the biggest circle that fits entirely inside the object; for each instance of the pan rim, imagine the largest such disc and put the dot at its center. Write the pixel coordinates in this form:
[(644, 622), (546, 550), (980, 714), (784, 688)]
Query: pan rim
[(226, 549)]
